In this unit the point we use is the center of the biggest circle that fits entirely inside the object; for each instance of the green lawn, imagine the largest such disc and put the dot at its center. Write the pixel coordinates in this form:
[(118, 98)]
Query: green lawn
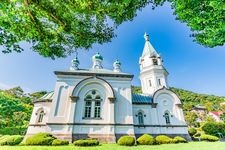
[(185, 146)]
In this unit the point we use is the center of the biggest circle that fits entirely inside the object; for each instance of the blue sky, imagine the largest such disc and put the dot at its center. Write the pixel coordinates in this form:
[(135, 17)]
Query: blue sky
[(191, 66)]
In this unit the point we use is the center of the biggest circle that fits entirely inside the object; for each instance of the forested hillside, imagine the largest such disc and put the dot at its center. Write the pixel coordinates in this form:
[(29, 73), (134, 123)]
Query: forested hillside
[(190, 100), (16, 107)]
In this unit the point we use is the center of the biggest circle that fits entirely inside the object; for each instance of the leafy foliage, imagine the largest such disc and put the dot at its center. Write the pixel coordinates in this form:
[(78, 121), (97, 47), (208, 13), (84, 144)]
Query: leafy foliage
[(11, 139), (205, 19), (214, 128), (54, 32), (145, 139), (58, 142), (38, 94), (179, 139), (126, 141), (86, 142), (192, 131), (13, 130), (40, 139), (15, 108), (210, 138), (136, 89), (163, 139), (15, 111)]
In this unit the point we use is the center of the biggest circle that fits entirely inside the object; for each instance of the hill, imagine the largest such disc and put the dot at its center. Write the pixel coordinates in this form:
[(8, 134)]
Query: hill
[(15, 110), (16, 107), (190, 100)]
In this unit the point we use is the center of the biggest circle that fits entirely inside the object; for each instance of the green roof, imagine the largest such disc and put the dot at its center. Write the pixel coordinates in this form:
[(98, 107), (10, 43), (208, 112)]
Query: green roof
[(141, 99)]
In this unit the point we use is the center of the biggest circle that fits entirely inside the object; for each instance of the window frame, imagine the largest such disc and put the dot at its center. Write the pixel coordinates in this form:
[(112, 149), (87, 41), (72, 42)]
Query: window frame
[(40, 116), (140, 117), (167, 117), (159, 82), (95, 107)]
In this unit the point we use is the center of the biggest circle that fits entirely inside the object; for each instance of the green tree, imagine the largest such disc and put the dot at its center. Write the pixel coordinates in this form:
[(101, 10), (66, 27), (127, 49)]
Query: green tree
[(204, 17), (57, 28), (38, 94), (16, 91), (222, 117), (209, 106), (191, 118)]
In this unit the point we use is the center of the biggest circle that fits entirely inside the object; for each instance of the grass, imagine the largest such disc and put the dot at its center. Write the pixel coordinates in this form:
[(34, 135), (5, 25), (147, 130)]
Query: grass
[(181, 146)]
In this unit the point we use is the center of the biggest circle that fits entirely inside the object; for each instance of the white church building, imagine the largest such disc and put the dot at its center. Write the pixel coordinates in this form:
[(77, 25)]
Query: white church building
[(99, 103)]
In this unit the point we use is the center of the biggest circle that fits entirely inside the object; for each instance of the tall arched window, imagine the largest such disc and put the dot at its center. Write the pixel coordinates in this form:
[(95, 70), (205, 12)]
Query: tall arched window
[(140, 118), (167, 117), (92, 101), (40, 116)]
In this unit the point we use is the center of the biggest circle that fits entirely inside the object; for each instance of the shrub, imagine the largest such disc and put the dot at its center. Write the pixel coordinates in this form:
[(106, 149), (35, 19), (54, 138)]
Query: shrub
[(40, 139), (210, 138), (213, 128), (11, 140), (146, 139), (86, 142), (58, 142), (163, 139), (126, 141), (192, 131), (179, 139)]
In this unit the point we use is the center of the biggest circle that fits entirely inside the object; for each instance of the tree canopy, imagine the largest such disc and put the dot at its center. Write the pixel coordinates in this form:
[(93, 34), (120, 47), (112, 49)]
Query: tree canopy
[(206, 18), (57, 28)]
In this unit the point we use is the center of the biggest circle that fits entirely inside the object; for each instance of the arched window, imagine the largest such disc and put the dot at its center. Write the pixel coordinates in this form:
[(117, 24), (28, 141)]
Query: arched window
[(92, 101), (87, 113), (167, 117), (140, 118), (40, 116)]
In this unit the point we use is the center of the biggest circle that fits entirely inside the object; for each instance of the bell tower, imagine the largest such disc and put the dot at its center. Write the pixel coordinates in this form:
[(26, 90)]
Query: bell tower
[(153, 75)]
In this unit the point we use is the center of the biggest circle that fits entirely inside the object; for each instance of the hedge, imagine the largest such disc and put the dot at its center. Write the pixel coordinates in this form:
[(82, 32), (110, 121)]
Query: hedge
[(86, 142), (179, 139), (58, 142), (145, 139), (11, 139), (126, 141), (209, 138), (213, 128), (40, 139), (163, 139)]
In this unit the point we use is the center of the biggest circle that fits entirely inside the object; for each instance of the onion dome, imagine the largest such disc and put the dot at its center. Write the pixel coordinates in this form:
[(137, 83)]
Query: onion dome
[(97, 61), (117, 66), (74, 64), (97, 56)]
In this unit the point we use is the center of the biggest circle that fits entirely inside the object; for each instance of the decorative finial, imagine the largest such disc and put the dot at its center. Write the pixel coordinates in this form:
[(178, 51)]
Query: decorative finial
[(97, 61), (146, 36), (74, 64), (117, 66)]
